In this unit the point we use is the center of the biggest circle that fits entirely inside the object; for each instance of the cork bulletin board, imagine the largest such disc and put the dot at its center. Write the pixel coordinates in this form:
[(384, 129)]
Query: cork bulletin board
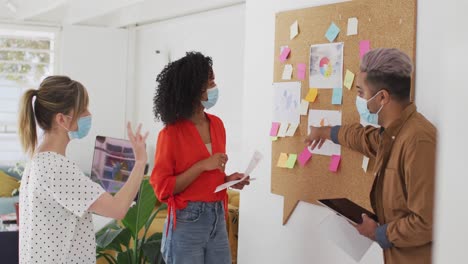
[(385, 23)]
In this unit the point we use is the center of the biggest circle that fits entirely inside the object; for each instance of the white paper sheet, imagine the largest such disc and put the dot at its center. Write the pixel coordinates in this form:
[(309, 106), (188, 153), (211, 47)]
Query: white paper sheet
[(256, 158), (304, 108), (287, 72), (287, 100), (345, 236), (293, 30), (318, 118), (352, 26), (283, 129), (291, 130)]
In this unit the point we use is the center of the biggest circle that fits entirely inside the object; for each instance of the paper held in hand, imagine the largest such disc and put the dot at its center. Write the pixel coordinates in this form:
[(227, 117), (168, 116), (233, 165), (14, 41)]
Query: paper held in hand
[(256, 158)]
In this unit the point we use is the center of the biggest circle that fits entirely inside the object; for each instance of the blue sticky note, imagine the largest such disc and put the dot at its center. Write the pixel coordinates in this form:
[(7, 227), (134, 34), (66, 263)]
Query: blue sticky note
[(332, 32), (337, 96)]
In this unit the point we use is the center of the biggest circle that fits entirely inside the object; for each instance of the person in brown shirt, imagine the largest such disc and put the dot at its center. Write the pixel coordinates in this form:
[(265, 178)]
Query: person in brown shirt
[(403, 147)]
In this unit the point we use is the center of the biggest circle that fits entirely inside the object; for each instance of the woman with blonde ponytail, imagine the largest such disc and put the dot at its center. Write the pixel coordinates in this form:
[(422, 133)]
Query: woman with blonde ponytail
[(56, 198)]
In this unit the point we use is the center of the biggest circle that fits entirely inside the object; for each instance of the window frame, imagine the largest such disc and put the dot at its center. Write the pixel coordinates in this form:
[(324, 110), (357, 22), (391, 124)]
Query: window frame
[(55, 33)]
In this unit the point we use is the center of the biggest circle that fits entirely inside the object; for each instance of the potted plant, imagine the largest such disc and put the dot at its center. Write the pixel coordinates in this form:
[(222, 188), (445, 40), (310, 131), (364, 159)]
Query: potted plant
[(124, 240), (18, 169)]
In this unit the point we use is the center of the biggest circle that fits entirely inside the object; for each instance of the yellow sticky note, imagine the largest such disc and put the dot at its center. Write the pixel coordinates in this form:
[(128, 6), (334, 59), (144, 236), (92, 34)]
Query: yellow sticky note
[(349, 79), (274, 138), (283, 158), (291, 161), (312, 95)]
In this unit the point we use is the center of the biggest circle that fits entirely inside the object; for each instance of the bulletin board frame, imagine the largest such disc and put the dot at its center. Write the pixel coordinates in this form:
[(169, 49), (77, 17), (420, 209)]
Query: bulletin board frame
[(387, 24)]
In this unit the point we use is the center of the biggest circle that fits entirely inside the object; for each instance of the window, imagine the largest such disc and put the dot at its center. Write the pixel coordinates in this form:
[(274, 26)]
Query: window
[(26, 58)]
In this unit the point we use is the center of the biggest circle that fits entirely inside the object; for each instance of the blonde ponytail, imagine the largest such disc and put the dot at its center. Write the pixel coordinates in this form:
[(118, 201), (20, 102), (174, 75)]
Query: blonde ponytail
[(27, 123)]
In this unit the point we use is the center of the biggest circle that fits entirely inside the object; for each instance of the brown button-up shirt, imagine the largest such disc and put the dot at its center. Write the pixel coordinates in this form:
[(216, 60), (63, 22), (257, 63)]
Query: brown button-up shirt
[(403, 192)]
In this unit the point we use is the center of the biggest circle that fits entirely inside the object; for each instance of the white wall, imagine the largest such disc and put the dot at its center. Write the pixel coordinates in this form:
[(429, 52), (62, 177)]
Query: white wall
[(450, 77), (97, 57), (219, 34), (262, 238)]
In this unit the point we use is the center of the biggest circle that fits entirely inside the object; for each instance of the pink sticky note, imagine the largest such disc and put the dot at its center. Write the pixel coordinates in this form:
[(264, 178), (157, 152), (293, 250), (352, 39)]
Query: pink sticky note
[(274, 129), (284, 55), (335, 162), (364, 47), (301, 71), (304, 156)]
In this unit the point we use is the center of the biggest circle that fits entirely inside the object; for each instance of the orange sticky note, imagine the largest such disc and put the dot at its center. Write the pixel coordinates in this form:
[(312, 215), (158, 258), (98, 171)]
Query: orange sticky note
[(312, 95), (283, 158)]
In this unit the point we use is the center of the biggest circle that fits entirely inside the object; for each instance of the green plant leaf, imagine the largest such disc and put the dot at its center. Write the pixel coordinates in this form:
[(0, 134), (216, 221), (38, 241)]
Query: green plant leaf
[(124, 238), (139, 213), (113, 225), (106, 238), (152, 251), (154, 237), (151, 218), (125, 257)]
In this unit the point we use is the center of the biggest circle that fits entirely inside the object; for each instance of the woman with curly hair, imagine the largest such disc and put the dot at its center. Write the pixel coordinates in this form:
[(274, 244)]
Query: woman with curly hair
[(189, 164)]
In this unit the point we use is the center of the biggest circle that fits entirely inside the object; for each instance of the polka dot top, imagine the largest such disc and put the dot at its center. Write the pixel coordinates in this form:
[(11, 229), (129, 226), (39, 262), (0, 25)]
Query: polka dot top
[(55, 225)]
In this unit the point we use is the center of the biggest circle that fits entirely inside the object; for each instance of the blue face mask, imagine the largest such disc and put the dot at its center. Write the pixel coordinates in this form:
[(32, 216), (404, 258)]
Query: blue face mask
[(361, 105), (212, 98), (84, 125)]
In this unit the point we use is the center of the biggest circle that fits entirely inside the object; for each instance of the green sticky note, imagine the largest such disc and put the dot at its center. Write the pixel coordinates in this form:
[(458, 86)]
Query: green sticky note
[(291, 161)]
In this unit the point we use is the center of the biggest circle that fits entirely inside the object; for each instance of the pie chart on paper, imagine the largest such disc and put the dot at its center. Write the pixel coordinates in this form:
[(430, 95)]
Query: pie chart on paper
[(325, 67)]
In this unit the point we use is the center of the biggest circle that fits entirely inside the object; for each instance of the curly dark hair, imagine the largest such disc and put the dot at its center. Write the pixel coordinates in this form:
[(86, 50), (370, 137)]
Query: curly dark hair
[(180, 87)]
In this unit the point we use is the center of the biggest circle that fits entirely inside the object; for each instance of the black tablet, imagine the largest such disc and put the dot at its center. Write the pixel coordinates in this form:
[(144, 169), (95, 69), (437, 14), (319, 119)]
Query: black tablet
[(348, 209)]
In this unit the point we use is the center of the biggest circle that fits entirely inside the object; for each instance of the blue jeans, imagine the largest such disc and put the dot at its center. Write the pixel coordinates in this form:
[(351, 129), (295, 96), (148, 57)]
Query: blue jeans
[(200, 236)]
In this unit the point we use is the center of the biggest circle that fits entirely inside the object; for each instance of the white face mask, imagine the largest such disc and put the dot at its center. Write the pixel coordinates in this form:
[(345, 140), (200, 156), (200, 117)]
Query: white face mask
[(213, 94), (361, 105), (84, 126)]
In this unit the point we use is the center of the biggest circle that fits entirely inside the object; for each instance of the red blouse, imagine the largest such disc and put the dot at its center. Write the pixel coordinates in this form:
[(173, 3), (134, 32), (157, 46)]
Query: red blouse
[(179, 147)]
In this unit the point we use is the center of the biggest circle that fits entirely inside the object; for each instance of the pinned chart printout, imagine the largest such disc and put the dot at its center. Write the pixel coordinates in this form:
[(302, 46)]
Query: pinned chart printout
[(326, 66), (287, 99), (254, 161), (320, 118), (332, 32), (352, 26)]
